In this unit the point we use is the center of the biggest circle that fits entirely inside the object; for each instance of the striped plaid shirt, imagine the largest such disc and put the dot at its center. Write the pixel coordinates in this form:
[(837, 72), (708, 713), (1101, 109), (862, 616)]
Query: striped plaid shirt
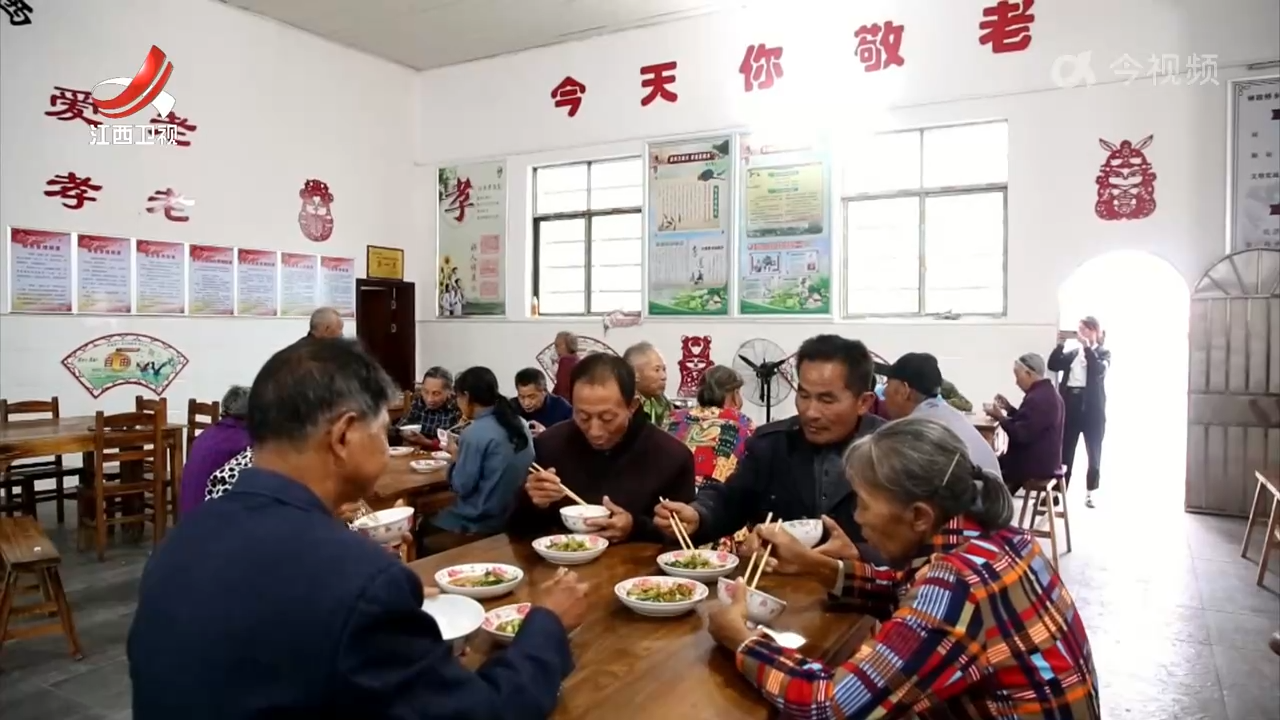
[(444, 417), (982, 629)]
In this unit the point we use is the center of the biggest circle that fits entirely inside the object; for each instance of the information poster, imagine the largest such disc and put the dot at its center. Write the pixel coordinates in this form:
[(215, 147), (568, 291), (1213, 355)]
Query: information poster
[(256, 282), (104, 277), (212, 285), (161, 277), (1255, 160), (785, 257), (40, 271), (689, 226), (298, 284), (338, 285), (472, 223)]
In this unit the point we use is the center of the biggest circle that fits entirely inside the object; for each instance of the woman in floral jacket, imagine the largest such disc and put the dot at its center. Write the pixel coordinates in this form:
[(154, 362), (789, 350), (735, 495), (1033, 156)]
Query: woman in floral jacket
[(716, 431)]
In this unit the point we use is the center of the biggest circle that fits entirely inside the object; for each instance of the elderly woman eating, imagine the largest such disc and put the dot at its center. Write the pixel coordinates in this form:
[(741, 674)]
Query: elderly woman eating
[(215, 447), (716, 430), (977, 625)]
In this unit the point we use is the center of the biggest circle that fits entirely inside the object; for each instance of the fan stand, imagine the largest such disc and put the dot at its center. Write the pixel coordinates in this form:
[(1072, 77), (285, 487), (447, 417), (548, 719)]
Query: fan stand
[(765, 373)]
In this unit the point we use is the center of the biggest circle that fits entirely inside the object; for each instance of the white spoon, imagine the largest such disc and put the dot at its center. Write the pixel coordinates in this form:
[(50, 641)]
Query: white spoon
[(787, 640)]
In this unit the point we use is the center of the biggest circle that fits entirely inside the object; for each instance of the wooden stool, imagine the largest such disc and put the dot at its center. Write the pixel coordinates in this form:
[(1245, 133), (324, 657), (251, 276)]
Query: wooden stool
[(1039, 496), (1271, 540), (26, 549)]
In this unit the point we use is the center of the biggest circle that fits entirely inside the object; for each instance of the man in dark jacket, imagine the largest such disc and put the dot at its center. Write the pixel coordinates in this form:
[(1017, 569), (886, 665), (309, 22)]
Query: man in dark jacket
[(263, 604), (1034, 428), (793, 468)]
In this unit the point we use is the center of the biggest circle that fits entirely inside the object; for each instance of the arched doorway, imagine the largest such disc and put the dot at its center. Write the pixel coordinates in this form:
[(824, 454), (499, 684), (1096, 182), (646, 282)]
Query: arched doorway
[(1143, 305)]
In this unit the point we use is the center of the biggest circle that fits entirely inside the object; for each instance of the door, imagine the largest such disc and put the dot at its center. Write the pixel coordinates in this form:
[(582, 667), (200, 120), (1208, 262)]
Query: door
[(386, 325), (1234, 385)]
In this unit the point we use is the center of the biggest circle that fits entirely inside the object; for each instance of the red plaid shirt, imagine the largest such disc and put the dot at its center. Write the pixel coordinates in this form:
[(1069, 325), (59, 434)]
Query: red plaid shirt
[(982, 629)]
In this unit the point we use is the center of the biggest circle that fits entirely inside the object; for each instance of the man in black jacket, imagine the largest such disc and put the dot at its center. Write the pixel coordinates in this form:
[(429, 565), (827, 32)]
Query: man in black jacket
[(793, 468)]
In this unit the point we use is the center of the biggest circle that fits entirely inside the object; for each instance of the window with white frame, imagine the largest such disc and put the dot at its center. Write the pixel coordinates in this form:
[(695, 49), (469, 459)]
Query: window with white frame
[(587, 237), (925, 222)]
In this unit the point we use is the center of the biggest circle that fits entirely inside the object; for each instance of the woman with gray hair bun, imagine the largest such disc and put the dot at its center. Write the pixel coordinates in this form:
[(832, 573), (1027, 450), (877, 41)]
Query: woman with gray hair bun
[(716, 431), (215, 447), (976, 621)]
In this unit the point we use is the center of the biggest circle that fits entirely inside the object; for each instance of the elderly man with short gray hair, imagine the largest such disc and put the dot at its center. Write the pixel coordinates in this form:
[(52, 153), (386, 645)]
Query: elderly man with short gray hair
[(326, 322), (1034, 428), (651, 381)]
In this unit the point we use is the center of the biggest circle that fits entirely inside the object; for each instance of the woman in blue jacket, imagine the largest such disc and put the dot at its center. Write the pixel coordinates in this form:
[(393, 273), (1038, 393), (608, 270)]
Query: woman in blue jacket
[(490, 461)]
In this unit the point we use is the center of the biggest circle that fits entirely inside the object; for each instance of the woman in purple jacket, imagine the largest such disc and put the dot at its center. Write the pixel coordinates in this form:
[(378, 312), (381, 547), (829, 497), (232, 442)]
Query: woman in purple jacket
[(214, 447)]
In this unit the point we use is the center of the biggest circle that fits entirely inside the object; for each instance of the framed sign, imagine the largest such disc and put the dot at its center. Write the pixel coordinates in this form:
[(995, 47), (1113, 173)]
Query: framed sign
[(384, 263), (1255, 163)]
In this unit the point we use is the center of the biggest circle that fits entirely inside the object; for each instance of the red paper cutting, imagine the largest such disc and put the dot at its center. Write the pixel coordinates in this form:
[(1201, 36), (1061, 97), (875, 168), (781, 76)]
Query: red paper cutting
[(1126, 182)]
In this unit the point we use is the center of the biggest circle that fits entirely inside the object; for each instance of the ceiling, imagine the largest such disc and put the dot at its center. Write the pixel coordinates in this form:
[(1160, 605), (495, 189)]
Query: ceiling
[(426, 34)]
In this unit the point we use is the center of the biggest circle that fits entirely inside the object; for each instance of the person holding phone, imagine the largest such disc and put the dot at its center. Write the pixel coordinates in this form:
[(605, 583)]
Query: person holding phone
[(433, 409), (1082, 375)]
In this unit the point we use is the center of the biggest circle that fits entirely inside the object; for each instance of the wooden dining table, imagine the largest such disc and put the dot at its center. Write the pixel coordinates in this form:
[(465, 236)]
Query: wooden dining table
[(401, 482), (22, 439), (634, 666), (988, 428)]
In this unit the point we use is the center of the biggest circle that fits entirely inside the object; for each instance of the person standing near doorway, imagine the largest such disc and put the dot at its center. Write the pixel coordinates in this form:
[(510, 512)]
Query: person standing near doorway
[(1082, 375)]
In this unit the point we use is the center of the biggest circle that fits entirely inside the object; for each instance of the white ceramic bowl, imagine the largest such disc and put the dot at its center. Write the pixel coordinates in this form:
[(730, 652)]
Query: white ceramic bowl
[(428, 465), (575, 517), (497, 616), (445, 578), (385, 527), (762, 608), (440, 455), (808, 532), (657, 609), (724, 564), (597, 546), (399, 451), (458, 617)]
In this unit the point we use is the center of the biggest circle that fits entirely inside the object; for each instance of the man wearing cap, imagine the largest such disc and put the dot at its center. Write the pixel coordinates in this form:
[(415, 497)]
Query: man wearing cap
[(1034, 428), (914, 388)]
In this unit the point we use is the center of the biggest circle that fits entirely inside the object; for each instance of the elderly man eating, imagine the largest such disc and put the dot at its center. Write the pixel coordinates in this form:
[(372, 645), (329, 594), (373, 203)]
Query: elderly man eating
[(263, 604), (434, 408), (792, 468), (1034, 428), (651, 381), (914, 388), (537, 407), (609, 455)]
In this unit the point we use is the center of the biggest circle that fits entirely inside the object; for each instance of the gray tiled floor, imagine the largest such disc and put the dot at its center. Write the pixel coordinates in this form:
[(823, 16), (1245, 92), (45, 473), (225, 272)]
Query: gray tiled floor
[(1178, 628)]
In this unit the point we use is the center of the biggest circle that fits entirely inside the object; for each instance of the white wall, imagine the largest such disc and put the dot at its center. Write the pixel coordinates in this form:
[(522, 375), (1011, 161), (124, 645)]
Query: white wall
[(273, 106), (948, 78)]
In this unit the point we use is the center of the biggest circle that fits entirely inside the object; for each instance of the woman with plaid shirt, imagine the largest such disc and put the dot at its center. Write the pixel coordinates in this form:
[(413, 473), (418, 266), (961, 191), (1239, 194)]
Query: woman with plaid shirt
[(978, 625)]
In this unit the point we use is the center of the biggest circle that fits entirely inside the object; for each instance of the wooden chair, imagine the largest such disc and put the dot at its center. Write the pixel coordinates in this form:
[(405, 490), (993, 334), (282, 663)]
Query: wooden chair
[(25, 549), (196, 422), (131, 440), (1046, 499), (1271, 540), (23, 476), (160, 408)]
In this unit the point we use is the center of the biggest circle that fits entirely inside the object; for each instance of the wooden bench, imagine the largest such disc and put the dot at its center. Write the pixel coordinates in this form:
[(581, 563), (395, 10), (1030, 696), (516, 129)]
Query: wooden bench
[(1271, 540), (25, 549)]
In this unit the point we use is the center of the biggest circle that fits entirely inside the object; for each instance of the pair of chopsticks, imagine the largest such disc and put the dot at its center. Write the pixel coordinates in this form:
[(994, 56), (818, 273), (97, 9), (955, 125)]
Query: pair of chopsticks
[(682, 535), (752, 582), (572, 495), (362, 510)]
